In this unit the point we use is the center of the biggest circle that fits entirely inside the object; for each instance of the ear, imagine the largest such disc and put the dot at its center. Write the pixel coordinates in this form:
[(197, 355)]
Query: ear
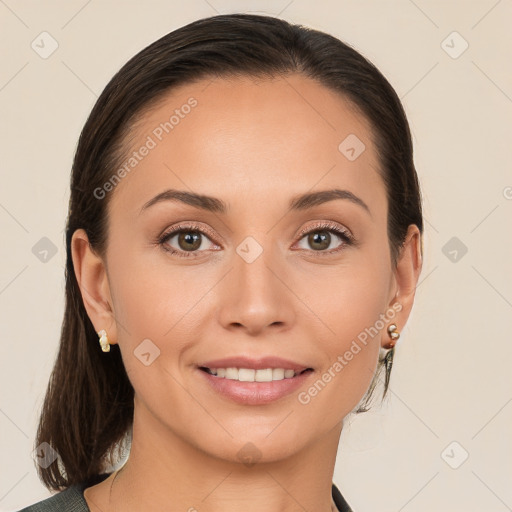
[(406, 274), (91, 274)]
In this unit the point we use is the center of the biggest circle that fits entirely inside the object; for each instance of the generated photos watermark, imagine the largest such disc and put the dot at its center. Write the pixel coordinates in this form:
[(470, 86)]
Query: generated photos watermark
[(152, 141), (305, 397)]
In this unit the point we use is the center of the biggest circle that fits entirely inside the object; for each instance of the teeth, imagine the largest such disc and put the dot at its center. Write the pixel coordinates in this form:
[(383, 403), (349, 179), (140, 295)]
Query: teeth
[(250, 375)]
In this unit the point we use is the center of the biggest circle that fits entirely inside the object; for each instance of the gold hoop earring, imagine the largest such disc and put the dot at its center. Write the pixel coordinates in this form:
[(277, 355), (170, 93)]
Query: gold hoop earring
[(394, 335), (105, 346)]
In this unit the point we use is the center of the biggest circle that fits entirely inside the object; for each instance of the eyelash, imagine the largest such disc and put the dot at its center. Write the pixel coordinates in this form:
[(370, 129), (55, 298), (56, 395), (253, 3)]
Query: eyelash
[(347, 238)]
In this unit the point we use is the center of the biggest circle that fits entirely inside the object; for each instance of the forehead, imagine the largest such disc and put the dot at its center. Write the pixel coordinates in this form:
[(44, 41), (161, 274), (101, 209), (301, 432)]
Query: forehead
[(221, 136)]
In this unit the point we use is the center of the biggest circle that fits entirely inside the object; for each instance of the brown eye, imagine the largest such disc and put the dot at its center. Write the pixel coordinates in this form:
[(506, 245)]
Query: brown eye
[(188, 243), (189, 240), (319, 240)]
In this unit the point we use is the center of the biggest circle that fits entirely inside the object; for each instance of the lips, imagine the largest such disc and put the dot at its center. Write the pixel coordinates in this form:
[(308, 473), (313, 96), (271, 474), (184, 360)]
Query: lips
[(247, 380), (254, 393)]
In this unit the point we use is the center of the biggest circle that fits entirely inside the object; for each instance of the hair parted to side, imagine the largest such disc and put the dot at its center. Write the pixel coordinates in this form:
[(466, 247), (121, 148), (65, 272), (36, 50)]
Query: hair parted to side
[(88, 407)]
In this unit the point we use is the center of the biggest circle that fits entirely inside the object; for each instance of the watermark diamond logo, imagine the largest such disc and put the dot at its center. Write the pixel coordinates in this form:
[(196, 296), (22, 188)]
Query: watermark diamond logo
[(44, 45), (351, 147), (146, 352), (454, 455), (454, 45), (44, 250), (44, 455), (249, 250), (249, 454), (454, 249)]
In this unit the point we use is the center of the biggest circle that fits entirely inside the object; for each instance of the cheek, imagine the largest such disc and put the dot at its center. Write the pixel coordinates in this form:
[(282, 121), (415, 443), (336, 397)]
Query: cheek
[(151, 294), (350, 297), (159, 302), (153, 309), (354, 304), (351, 357)]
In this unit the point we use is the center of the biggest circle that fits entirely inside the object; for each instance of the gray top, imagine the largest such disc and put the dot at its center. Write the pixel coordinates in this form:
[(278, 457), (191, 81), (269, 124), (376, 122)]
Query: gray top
[(72, 499)]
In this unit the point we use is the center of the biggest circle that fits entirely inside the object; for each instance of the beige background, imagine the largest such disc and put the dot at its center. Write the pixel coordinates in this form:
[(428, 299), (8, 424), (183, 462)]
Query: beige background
[(451, 380)]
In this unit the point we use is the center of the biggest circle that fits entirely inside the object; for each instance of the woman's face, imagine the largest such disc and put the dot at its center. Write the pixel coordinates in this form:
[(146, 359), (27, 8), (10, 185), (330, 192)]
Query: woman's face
[(243, 281)]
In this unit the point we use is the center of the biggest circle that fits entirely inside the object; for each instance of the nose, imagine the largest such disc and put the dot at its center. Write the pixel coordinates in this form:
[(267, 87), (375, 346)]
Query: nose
[(255, 296)]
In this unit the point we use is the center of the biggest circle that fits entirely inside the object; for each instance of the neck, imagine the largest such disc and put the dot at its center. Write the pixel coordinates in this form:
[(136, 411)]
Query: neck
[(164, 470)]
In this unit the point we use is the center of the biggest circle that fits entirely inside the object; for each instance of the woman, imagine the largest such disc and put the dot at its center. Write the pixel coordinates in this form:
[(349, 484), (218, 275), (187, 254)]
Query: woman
[(244, 240)]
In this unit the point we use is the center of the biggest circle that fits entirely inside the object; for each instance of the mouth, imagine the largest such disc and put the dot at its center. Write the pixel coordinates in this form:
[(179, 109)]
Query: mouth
[(255, 386), (253, 375)]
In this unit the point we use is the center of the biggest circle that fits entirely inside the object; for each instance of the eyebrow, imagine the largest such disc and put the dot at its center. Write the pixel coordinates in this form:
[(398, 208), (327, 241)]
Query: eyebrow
[(215, 205)]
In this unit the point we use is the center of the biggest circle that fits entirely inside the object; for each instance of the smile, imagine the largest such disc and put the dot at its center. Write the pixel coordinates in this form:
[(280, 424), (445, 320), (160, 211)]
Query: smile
[(252, 375), (248, 386)]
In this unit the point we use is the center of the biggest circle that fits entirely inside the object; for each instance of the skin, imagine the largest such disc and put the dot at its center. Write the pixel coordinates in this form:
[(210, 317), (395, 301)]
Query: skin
[(254, 144)]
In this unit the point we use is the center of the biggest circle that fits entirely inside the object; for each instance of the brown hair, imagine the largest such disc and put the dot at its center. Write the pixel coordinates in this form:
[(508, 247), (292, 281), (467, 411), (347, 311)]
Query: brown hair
[(88, 407)]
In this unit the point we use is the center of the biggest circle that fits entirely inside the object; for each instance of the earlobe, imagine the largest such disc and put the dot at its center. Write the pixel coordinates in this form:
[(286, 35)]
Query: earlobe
[(92, 279)]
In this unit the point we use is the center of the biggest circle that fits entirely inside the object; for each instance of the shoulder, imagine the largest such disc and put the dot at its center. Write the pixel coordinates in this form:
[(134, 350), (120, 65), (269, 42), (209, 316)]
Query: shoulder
[(70, 500), (339, 500)]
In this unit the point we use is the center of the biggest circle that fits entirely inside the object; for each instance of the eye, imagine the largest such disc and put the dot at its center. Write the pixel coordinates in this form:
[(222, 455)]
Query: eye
[(189, 240), (319, 237)]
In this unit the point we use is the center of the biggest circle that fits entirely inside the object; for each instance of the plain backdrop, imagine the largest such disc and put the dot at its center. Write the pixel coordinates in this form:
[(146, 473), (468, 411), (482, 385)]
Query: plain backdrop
[(443, 441)]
